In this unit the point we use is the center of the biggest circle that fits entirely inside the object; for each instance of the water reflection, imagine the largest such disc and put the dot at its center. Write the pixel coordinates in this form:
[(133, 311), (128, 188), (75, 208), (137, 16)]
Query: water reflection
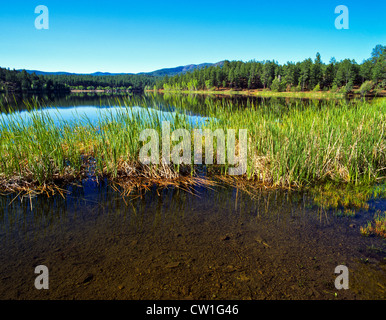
[(91, 107), (84, 115), (174, 244), (165, 207), (197, 103)]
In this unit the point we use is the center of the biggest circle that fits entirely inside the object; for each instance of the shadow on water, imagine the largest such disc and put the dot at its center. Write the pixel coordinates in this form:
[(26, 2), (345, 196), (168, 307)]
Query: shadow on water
[(171, 244)]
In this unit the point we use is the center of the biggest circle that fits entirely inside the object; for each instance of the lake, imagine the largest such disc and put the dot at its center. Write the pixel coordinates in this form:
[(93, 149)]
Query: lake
[(200, 242)]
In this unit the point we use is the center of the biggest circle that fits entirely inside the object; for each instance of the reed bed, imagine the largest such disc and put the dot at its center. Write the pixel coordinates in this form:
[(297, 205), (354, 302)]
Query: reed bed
[(338, 141), (299, 146)]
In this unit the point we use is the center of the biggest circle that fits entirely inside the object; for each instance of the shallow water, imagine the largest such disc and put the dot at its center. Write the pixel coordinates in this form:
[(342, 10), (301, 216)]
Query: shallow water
[(210, 243), (206, 243)]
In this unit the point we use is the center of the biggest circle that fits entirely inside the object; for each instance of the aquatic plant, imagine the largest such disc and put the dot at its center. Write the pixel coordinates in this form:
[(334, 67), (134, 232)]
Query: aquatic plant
[(345, 213), (376, 227)]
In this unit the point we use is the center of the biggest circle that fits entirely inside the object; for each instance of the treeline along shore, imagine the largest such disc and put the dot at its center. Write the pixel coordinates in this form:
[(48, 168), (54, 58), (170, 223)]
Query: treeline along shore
[(344, 77), (311, 75)]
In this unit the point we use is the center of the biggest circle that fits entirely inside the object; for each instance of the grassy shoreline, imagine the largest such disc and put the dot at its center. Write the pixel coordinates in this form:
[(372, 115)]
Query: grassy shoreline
[(340, 142), (262, 93), (268, 93)]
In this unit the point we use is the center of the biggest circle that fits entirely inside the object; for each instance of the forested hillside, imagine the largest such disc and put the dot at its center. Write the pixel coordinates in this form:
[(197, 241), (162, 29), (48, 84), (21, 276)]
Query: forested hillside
[(307, 75), (15, 81), (121, 82), (301, 76), (12, 80)]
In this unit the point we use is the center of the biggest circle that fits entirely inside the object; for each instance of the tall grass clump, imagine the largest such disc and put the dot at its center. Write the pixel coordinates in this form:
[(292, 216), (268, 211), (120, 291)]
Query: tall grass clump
[(39, 148), (291, 146), (335, 141)]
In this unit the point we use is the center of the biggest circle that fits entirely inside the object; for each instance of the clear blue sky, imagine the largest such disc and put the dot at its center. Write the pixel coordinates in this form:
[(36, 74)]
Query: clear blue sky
[(135, 36)]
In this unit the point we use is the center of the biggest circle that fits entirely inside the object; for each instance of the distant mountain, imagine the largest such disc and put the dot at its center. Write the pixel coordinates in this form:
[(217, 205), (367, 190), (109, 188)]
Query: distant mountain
[(157, 73), (40, 73), (98, 73), (181, 69)]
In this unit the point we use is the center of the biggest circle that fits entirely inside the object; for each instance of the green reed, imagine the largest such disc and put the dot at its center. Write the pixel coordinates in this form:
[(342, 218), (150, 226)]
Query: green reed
[(287, 146), (337, 141)]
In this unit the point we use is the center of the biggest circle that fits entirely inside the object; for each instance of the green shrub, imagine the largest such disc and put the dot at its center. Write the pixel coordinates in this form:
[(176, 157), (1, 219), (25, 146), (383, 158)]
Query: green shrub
[(366, 87), (347, 88), (276, 85), (317, 87)]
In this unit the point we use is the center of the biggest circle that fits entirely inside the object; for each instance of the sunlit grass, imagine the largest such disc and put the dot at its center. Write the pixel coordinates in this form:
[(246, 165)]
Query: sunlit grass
[(376, 227), (338, 142)]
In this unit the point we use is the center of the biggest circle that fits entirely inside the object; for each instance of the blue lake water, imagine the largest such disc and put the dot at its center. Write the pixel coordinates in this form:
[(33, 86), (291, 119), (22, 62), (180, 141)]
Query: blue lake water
[(92, 114)]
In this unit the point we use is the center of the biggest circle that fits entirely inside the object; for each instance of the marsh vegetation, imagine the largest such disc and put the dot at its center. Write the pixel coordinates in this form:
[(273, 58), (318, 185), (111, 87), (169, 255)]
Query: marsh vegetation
[(300, 146)]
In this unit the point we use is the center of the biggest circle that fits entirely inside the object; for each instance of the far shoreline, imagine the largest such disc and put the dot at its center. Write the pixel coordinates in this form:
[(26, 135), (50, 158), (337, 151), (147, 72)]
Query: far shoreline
[(85, 91), (268, 93)]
